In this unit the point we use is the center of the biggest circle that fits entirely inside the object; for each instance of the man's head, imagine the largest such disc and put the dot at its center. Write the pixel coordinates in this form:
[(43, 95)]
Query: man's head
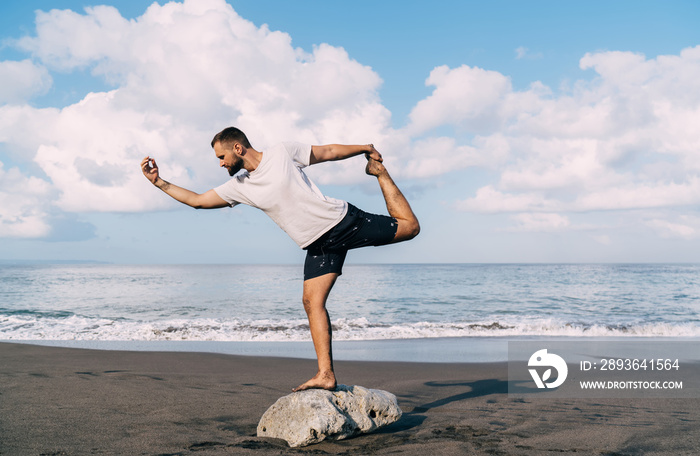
[(230, 145), (230, 135)]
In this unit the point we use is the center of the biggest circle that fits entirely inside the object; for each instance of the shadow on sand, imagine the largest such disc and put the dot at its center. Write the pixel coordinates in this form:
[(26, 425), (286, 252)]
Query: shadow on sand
[(416, 416)]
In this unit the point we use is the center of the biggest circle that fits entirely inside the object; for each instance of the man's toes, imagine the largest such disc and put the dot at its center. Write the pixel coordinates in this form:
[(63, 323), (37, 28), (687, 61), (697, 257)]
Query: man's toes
[(318, 382), (368, 168), (374, 168)]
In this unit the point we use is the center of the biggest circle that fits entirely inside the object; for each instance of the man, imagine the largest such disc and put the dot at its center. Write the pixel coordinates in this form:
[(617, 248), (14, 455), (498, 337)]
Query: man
[(326, 228)]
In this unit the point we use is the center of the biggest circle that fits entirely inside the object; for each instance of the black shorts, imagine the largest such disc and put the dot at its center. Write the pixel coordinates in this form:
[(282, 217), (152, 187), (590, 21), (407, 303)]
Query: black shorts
[(357, 229)]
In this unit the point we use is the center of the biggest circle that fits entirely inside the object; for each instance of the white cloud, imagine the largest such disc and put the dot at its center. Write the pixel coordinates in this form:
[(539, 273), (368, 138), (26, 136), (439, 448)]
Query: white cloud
[(652, 195), (627, 139), (203, 64), (22, 80), (539, 222), (489, 200), (23, 205), (688, 227), (437, 156), (181, 72), (468, 97), (524, 53)]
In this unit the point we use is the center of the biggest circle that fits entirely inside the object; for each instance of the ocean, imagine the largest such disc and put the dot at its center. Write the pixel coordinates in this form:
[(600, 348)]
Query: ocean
[(93, 304)]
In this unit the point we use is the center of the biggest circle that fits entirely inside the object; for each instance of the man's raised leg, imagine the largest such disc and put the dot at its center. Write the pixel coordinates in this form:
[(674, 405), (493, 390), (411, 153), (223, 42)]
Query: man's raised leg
[(316, 293), (396, 203)]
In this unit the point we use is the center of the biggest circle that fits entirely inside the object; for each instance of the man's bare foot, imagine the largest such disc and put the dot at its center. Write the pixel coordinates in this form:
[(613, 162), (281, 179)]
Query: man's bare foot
[(374, 167), (322, 380)]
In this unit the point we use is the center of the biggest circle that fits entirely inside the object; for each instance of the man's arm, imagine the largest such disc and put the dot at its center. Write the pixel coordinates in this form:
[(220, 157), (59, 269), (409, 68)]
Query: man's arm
[(332, 152), (207, 200)]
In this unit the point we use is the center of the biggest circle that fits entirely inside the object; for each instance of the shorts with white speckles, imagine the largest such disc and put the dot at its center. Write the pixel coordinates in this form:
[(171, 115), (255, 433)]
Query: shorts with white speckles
[(357, 229)]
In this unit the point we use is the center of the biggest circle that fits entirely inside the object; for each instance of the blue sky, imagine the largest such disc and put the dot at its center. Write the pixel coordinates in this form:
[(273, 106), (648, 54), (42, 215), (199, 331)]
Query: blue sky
[(520, 131)]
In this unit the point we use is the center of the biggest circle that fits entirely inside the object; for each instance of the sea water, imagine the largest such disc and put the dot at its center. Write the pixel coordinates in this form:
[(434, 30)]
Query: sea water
[(243, 303)]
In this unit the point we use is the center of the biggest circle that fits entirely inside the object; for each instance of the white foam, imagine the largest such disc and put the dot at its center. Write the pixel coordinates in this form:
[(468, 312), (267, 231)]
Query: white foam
[(31, 327)]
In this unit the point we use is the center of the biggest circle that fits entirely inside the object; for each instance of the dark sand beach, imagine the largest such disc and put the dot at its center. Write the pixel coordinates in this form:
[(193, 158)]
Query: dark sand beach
[(61, 401)]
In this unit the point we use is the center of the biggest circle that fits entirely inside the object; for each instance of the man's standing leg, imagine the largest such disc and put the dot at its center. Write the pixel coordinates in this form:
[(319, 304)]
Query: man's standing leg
[(316, 293), (316, 290)]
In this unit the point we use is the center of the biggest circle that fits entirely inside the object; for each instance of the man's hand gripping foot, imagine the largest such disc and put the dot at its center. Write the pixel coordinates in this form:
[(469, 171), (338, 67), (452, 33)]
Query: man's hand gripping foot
[(322, 380), (374, 166)]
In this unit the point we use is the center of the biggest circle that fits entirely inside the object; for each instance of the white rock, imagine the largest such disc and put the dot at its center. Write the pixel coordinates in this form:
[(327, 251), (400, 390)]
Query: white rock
[(310, 416)]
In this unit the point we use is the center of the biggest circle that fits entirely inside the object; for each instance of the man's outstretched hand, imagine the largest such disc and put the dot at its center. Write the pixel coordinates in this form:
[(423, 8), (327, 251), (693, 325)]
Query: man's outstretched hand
[(150, 169)]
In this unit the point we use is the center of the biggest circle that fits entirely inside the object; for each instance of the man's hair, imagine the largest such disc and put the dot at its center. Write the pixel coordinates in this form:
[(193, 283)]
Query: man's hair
[(229, 135)]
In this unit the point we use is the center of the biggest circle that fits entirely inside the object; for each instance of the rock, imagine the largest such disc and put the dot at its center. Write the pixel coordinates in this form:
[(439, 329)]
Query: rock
[(310, 416)]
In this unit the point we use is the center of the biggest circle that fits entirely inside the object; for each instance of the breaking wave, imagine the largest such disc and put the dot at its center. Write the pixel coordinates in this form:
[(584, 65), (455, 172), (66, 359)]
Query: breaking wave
[(67, 326)]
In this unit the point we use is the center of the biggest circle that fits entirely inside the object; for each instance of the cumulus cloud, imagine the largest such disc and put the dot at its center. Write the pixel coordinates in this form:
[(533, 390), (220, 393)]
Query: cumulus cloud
[(468, 97), (201, 63), (627, 138), (23, 205), (180, 72), (22, 80)]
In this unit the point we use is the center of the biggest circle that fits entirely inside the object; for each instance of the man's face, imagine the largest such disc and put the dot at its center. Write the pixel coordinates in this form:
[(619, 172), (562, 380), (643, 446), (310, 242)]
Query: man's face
[(228, 158)]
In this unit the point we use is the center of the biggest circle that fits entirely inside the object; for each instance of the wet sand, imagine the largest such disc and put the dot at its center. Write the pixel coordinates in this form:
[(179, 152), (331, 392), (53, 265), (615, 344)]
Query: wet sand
[(62, 401)]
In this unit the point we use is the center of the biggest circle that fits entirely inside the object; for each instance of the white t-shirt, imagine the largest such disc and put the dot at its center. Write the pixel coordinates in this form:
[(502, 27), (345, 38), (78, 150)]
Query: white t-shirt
[(280, 188)]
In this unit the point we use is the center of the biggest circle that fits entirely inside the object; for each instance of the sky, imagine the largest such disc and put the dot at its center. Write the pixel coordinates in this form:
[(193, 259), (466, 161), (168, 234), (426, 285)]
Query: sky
[(521, 132)]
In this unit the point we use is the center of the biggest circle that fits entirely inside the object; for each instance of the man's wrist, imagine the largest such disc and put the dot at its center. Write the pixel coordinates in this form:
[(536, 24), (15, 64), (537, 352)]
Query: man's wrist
[(161, 184)]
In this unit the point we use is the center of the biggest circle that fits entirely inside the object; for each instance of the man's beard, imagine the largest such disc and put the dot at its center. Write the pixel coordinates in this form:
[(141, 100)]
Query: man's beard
[(235, 168)]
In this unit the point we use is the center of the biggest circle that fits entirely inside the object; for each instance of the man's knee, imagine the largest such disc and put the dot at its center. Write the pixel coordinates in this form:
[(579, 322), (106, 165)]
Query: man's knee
[(316, 292), (414, 228), (309, 303), (313, 302), (407, 230)]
